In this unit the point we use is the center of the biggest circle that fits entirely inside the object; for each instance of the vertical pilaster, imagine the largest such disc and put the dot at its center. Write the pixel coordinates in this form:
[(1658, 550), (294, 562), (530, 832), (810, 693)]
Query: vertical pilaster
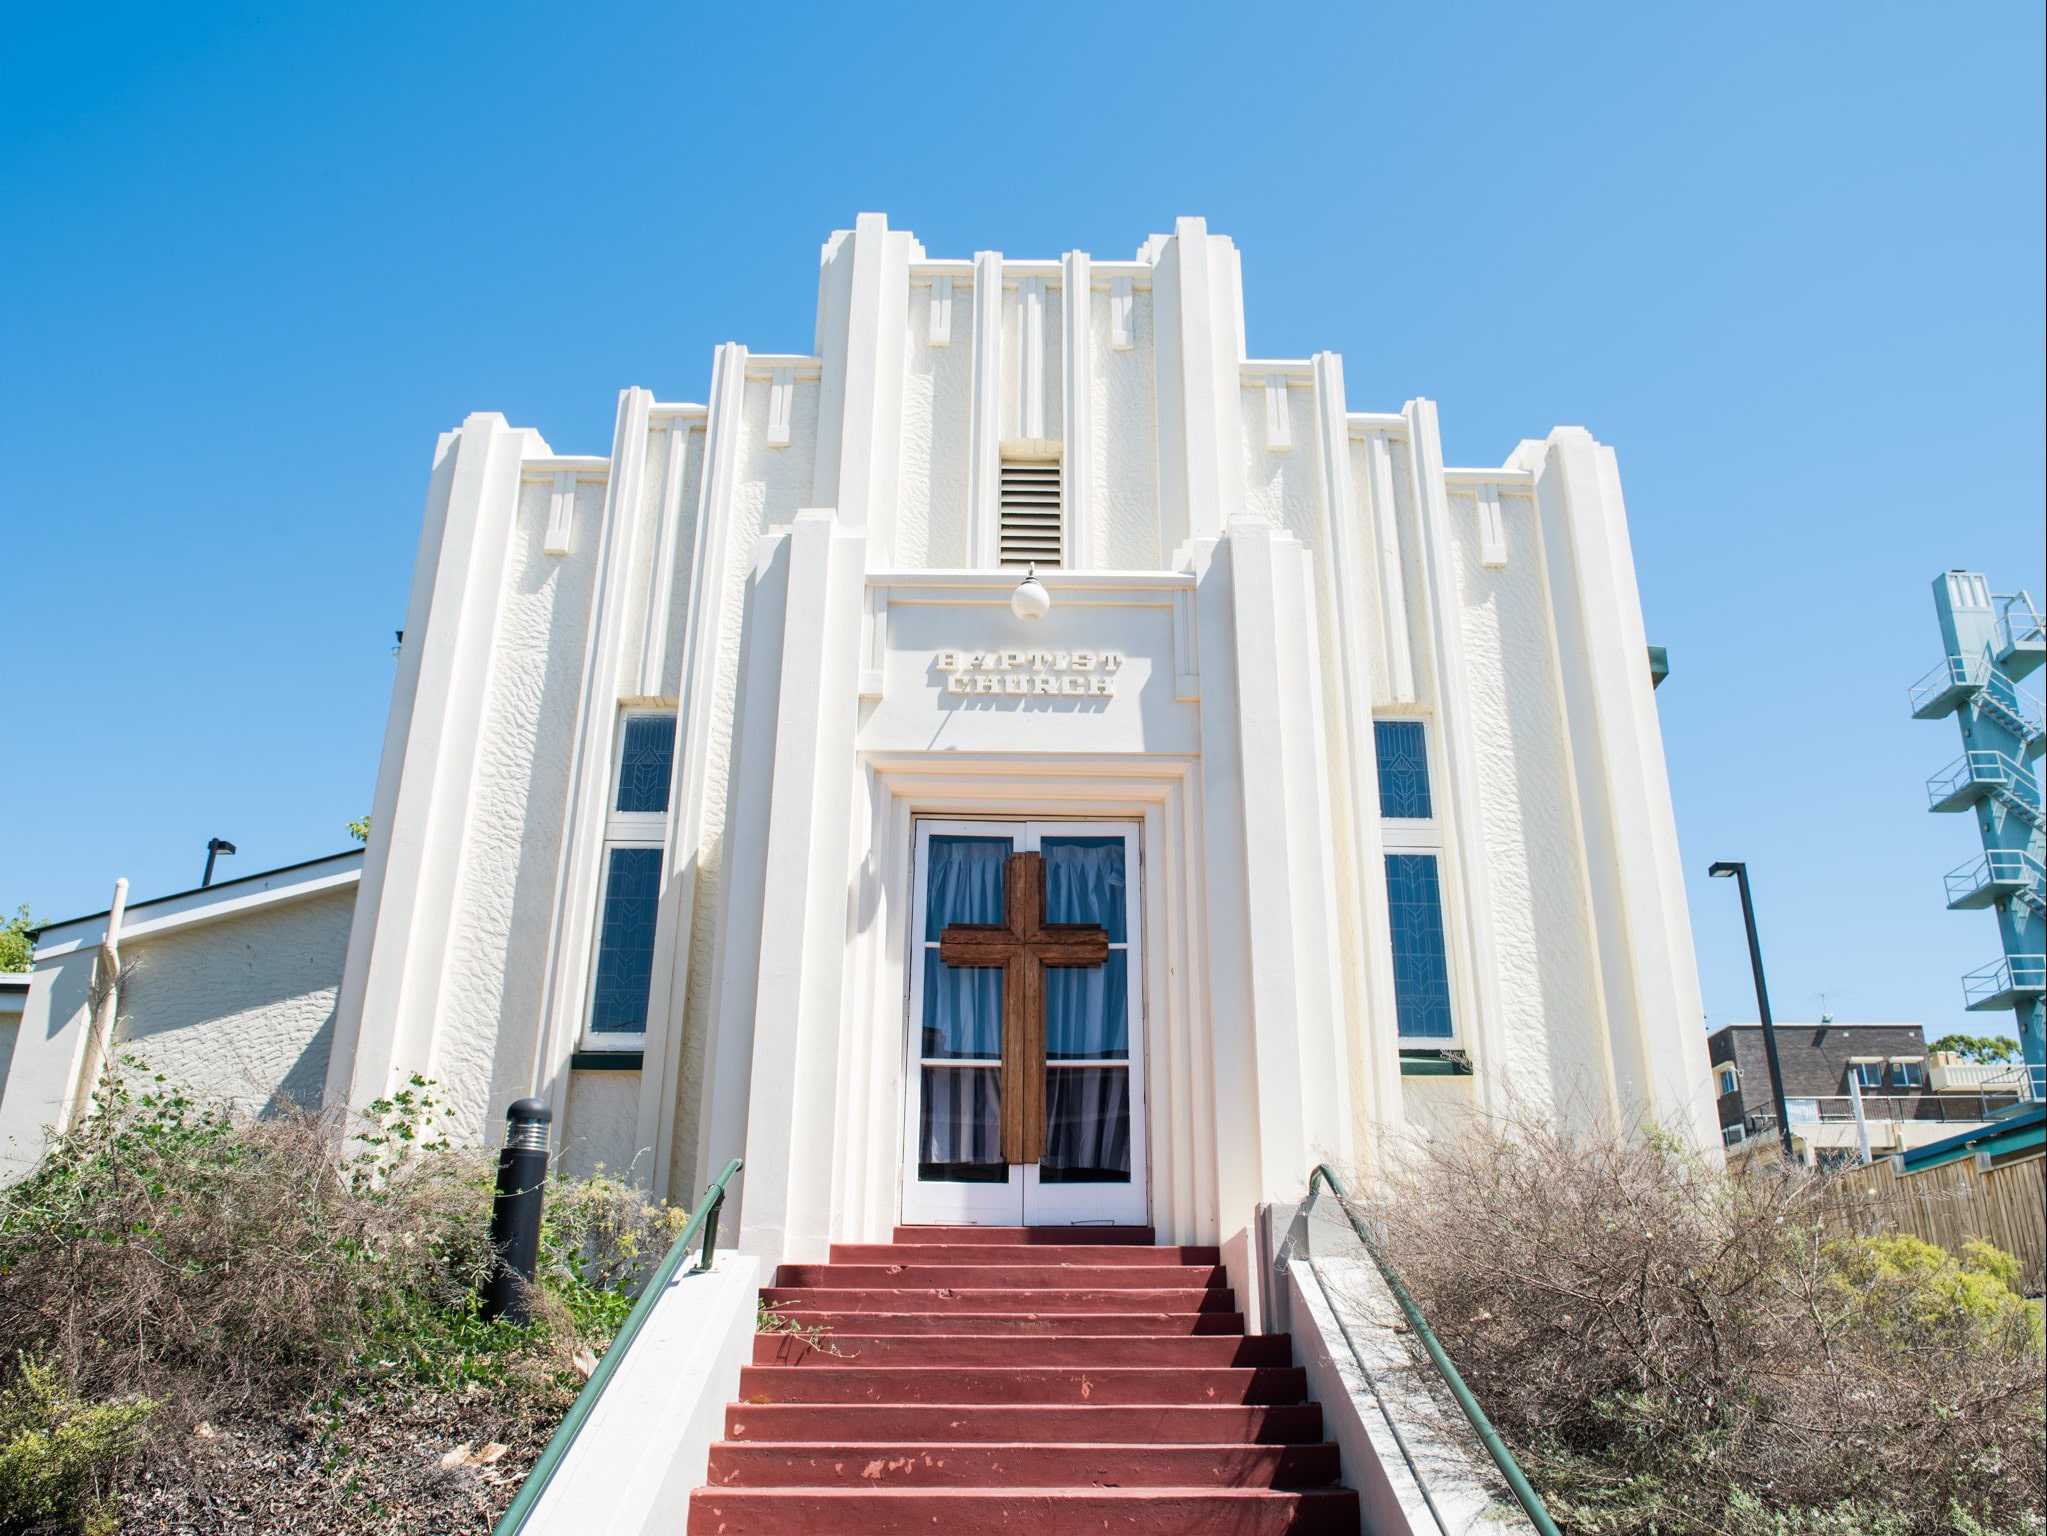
[(582, 839), (710, 558), (1282, 1063), (1199, 327), (1078, 413), (1648, 969), (793, 1100), (984, 417), (1466, 850), (1374, 1029), (863, 323), (398, 945)]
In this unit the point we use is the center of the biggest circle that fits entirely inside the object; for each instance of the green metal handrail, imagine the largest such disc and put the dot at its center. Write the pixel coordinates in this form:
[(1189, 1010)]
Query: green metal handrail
[(1517, 1480), (706, 1221)]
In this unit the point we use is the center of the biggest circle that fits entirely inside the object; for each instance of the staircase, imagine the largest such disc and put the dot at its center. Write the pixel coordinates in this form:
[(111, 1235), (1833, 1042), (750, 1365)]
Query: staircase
[(1033, 1380)]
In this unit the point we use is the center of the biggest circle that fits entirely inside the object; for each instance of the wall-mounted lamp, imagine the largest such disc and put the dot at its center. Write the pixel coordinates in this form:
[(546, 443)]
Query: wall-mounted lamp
[(1030, 600)]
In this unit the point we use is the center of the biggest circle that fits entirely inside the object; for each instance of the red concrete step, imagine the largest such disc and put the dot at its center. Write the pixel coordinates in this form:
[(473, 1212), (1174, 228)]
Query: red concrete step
[(1043, 1253), (1010, 1237), (1002, 1276), (1064, 1424), (1037, 1511), (1020, 1384), (1054, 1325), (869, 1350), (1040, 1301), (765, 1464)]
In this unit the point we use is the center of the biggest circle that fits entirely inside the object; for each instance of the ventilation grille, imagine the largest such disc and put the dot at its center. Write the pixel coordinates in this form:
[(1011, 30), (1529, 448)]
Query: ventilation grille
[(1030, 513)]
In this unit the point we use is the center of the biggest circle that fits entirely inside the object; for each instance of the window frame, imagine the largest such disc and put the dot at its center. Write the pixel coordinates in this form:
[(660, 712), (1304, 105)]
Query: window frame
[(1863, 1071), (1908, 1071), (622, 830), (1729, 1077), (1425, 836)]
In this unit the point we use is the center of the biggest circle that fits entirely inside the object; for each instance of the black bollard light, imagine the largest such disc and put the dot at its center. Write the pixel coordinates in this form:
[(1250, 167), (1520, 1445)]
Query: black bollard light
[(515, 1213)]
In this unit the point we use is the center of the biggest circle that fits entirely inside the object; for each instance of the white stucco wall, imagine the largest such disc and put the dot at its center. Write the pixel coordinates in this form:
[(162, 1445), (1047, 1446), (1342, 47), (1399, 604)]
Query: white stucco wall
[(1126, 441), (491, 991), (1553, 1027), (240, 1010), (769, 486), (931, 511), (600, 1129)]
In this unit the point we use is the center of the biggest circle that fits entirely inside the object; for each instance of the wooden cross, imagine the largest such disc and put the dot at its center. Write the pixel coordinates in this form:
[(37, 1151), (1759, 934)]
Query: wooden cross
[(1023, 946)]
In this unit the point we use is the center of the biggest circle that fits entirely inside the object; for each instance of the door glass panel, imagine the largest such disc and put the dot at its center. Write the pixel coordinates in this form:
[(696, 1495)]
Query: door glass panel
[(962, 1009), (1087, 1126), (1087, 1016), (1084, 883), (959, 1138), (964, 882)]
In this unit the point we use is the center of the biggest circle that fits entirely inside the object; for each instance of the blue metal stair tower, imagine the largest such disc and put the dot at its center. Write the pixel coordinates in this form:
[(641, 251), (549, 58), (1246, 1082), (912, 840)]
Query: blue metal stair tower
[(1991, 642)]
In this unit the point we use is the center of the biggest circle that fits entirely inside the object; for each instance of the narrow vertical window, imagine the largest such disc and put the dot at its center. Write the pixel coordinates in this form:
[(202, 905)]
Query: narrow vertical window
[(1421, 960), (629, 890), (1413, 840), (1403, 770)]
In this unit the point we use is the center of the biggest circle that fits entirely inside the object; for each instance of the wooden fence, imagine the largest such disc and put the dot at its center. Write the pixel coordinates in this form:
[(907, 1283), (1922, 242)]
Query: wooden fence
[(1951, 1204)]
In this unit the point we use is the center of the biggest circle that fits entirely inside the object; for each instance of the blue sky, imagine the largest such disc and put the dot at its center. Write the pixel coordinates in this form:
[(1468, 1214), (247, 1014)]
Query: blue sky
[(1788, 259)]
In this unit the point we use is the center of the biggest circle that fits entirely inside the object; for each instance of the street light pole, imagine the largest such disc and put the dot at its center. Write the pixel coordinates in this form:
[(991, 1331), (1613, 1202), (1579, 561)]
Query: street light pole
[(1739, 871)]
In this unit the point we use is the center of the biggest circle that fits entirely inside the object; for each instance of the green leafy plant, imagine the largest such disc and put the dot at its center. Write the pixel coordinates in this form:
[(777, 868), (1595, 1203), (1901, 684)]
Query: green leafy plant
[(1987, 1049), (15, 949), (59, 1457), (299, 1275)]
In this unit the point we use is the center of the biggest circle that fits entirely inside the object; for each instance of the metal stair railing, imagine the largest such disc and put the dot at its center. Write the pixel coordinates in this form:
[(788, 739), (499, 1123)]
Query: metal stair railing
[(1510, 1469), (1999, 774), (2016, 975), (705, 1221), (2004, 698), (2000, 867), (2018, 621)]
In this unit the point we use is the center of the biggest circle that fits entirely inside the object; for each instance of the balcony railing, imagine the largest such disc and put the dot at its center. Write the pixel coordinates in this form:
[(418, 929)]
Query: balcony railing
[(2018, 622), (1935, 694), (1877, 1108), (1999, 872), (2004, 982), (1976, 773)]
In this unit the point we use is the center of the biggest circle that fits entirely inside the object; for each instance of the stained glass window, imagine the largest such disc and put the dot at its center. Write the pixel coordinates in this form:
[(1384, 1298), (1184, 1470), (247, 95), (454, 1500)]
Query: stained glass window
[(1403, 770), (1421, 968), (625, 942), (645, 763)]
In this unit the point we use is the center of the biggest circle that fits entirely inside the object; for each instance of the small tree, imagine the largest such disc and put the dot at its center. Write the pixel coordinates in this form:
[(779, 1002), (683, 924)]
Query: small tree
[(15, 949), (1982, 1048)]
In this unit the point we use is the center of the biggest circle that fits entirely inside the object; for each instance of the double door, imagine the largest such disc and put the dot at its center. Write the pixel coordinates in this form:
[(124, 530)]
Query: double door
[(1026, 1058)]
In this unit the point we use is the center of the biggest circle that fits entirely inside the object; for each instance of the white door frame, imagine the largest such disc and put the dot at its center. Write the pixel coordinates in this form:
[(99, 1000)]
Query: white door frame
[(1024, 1198)]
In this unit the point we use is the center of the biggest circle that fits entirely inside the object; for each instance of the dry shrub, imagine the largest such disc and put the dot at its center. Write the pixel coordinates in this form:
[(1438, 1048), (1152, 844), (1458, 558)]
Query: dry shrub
[(1674, 1349), (267, 1272)]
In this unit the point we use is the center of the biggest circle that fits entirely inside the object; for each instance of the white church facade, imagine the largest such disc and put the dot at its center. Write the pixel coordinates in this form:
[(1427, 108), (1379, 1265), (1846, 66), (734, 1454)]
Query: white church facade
[(736, 802)]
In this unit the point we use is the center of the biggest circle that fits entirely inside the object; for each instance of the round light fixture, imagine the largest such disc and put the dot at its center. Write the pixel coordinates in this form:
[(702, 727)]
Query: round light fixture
[(1030, 600)]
